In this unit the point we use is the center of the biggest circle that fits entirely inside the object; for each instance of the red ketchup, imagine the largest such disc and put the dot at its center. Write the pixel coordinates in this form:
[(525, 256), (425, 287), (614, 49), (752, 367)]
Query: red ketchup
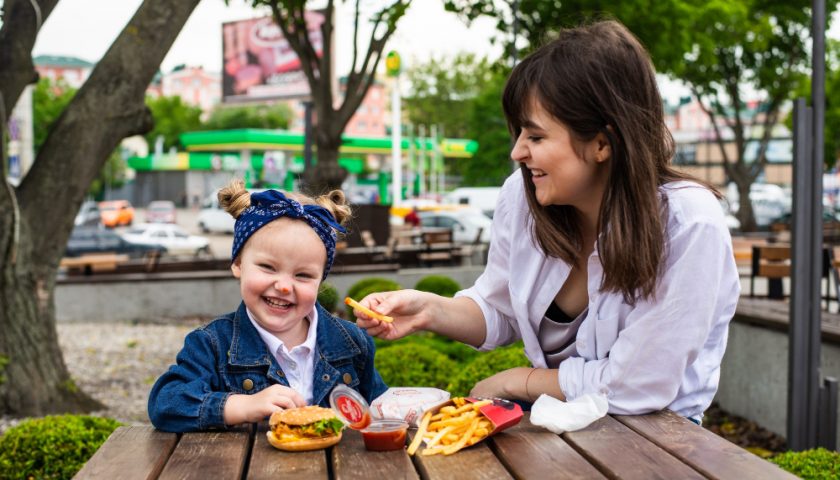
[(385, 435)]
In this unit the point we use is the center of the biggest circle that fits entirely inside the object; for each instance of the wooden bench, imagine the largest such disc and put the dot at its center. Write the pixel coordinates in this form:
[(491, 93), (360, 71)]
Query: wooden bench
[(659, 445), (95, 262)]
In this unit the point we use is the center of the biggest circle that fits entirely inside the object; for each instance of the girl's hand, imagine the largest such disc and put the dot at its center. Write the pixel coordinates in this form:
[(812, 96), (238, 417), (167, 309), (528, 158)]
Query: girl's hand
[(254, 408), (411, 310)]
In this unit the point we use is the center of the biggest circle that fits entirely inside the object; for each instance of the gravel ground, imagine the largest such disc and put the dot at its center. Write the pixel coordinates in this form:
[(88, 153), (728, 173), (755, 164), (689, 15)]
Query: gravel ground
[(117, 363)]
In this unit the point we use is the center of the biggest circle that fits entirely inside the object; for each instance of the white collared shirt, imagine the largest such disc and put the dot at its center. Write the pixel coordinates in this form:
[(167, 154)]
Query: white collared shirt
[(661, 353), (298, 364)]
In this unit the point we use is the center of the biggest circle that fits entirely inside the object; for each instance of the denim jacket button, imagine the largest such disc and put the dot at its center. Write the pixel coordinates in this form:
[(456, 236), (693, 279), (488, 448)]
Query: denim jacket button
[(347, 378), (325, 377), (248, 384)]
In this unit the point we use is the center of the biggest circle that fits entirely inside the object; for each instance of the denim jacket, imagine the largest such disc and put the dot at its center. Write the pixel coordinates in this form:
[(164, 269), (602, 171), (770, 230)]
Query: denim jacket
[(228, 357)]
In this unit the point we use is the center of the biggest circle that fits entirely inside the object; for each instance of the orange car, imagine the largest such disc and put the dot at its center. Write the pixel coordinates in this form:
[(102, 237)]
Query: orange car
[(116, 213)]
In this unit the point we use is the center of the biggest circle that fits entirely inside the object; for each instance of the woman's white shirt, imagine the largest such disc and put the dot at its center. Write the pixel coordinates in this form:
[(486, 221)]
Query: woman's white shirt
[(660, 353)]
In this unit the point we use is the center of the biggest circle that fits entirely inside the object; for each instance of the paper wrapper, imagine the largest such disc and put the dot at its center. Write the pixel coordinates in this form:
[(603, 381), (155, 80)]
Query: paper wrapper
[(407, 403)]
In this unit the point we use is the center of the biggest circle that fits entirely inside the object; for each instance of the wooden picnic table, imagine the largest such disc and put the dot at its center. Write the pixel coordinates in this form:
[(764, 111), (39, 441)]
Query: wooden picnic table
[(660, 445)]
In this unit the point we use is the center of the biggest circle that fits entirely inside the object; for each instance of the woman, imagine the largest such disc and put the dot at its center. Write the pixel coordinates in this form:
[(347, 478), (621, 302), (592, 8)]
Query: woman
[(614, 269)]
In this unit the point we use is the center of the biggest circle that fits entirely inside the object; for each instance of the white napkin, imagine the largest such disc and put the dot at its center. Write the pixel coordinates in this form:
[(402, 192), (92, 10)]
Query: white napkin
[(558, 416)]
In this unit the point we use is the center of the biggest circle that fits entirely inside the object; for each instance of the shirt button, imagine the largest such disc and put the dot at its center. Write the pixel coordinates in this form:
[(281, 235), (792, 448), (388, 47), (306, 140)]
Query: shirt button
[(347, 378), (248, 384), (293, 365)]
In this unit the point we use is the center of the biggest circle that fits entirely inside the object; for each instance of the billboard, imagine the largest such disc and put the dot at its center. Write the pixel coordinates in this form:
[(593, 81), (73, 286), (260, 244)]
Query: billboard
[(259, 63)]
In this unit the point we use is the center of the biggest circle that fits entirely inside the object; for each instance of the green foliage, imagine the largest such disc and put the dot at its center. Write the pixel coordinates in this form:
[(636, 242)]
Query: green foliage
[(412, 365), (485, 365), (250, 116), (462, 95), (366, 286), (172, 118), (53, 446), (49, 99), (328, 296), (4, 360), (438, 284), (810, 464), (456, 351), (487, 126)]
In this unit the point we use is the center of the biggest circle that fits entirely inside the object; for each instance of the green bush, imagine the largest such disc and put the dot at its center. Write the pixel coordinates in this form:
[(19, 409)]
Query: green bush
[(328, 297), (365, 287), (456, 351), (485, 365), (52, 446), (439, 284), (810, 464), (413, 365)]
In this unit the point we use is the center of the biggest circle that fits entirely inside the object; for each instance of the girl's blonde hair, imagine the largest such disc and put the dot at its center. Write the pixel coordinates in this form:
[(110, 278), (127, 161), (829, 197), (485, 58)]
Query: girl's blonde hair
[(234, 198)]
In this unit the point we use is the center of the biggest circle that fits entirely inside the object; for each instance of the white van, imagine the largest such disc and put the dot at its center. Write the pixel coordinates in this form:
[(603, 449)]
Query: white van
[(482, 198)]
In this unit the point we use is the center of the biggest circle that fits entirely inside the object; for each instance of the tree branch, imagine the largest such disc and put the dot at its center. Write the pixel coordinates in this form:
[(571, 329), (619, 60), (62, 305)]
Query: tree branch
[(17, 37), (727, 165), (108, 107)]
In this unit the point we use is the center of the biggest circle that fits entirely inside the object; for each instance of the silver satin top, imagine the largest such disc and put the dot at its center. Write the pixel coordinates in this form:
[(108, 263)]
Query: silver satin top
[(557, 340)]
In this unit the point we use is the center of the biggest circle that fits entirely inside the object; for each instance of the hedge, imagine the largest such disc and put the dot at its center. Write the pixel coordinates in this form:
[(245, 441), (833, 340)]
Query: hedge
[(485, 365), (810, 464), (365, 287), (328, 297), (53, 446), (414, 365), (438, 284)]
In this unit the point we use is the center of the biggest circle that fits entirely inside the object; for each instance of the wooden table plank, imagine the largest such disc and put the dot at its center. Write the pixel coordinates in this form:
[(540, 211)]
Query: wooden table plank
[(131, 453), (202, 455), (529, 452), (476, 462), (269, 463), (710, 454), (352, 461), (619, 452)]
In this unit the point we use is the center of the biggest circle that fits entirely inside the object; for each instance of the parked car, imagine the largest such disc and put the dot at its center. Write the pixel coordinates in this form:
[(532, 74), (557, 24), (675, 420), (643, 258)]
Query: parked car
[(86, 239), (172, 237), (213, 219), (116, 213), (465, 223), (89, 214), (160, 211)]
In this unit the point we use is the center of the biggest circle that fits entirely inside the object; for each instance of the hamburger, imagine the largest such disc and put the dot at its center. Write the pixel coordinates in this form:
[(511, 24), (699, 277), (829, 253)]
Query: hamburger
[(304, 428)]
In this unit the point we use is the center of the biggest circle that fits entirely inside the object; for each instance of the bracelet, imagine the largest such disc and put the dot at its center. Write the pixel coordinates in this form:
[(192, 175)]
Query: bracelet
[(527, 393)]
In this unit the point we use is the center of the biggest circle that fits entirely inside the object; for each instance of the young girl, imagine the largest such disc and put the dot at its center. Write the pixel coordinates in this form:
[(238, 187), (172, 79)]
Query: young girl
[(280, 348), (614, 269)]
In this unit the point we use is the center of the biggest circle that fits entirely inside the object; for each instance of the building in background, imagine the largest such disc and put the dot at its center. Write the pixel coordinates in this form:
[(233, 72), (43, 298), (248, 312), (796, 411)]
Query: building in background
[(74, 71), (194, 85)]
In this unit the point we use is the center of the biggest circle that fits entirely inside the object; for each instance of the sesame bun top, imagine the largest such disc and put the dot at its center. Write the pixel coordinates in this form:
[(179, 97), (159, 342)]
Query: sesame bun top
[(301, 415)]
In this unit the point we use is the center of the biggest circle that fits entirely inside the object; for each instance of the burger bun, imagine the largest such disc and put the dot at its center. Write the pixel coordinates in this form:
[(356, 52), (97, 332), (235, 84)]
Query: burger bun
[(303, 444)]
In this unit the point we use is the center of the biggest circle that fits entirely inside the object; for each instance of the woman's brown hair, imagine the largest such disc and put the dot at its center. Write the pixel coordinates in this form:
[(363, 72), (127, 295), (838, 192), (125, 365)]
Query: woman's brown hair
[(234, 198), (599, 79)]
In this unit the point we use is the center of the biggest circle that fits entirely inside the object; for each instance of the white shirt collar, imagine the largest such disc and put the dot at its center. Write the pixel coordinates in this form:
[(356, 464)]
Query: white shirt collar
[(274, 344)]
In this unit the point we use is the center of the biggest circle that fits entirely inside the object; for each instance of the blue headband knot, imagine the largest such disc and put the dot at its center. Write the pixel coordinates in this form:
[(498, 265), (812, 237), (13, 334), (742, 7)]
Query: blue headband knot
[(270, 205)]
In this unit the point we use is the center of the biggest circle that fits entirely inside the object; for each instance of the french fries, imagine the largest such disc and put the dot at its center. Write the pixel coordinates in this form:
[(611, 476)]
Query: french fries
[(454, 427), (358, 306)]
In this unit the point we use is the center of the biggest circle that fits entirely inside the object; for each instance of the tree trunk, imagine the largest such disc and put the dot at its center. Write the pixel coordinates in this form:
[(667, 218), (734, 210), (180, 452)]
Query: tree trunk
[(36, 218), (327, 174), (745, 215), (34, 379)]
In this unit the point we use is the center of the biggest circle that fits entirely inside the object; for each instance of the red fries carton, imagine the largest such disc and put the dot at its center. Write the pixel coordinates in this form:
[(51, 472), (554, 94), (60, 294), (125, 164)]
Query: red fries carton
[(501, 413)]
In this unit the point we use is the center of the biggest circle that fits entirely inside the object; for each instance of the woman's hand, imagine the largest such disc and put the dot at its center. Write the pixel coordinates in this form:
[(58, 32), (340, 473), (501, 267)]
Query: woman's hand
[(412, 310), (254, 408), (509, 384)]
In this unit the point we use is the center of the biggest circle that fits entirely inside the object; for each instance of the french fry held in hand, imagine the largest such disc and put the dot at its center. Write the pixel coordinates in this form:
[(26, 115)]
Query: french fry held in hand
[(454, 427), (358, 306)]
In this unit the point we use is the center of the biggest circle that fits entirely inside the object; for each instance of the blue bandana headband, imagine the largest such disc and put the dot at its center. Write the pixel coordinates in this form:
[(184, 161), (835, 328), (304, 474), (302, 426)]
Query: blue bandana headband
[(270, 205)]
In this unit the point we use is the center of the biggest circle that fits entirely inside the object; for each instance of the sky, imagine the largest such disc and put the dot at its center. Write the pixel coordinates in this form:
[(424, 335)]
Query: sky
[(86, 28)]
